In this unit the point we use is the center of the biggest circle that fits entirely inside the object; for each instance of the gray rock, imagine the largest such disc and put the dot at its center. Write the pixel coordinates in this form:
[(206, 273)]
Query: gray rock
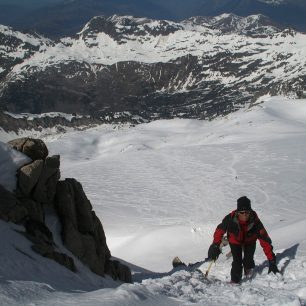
[(44, 245), (42, 248), (34, 148), (45, 189), (82, 232), (83, 246), (72, 238), (62, 259), (65, 205), (83, 208), (28, 176), (39, 232), (102, 248), (118, 271), (91, 256), (10, 208), (35, 210)]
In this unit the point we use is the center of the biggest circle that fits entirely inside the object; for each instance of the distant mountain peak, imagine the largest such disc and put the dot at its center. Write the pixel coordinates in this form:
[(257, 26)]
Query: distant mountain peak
[(273, 2), (252, 25), (121, 26), (65, 18)]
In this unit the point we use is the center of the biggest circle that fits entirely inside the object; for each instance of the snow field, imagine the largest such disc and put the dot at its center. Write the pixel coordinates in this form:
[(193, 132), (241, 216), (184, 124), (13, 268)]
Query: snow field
[(160, 189)]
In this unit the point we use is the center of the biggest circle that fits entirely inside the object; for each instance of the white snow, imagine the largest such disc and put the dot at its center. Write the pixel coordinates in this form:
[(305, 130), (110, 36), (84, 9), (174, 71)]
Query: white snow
[(19, 51), (160, 189), (30, 116)]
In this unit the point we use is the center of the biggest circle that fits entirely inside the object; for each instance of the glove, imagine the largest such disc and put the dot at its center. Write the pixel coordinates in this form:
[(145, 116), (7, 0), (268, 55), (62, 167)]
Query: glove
[(273, 267), (214, 251)]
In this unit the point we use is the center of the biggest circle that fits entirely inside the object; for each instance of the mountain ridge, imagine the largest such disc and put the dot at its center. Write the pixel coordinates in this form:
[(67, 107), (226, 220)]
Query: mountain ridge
[(199, 68), (64, 18)]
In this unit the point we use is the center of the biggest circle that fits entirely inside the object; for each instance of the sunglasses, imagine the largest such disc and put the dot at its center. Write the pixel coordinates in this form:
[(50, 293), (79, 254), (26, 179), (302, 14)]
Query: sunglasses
[(244, 212)]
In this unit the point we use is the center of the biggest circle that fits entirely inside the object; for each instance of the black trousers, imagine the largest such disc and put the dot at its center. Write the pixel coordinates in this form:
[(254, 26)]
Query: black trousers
[(246, 261)]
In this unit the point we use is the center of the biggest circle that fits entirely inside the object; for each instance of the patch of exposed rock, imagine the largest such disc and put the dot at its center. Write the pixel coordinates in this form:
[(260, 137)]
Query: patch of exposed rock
[(39, 188)]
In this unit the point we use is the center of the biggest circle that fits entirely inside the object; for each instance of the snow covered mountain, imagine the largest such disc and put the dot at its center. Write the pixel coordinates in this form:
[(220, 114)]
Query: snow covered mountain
[(58, 18), (199, 68)]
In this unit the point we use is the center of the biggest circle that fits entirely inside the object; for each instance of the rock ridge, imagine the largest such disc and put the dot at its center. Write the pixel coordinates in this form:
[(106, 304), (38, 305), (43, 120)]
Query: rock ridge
[(39, 190)]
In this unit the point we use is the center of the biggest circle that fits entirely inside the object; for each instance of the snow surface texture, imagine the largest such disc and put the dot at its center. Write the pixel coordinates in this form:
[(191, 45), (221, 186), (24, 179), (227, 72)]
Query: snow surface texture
[(160, 189)]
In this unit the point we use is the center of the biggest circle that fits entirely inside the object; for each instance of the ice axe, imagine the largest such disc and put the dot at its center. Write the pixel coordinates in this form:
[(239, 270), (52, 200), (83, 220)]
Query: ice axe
[(209, 267), (223, 243)]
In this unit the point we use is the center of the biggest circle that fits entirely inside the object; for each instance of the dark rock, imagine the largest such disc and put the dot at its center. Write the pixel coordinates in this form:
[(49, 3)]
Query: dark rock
[(28, 176), (39, 231), (62, 259), (43, 248), (35, 210), (83, 208), (72, 239), (44, 245), (64, 203), (34, 148), (102, 248), (49, 252), (10, 208), (45, 189), (82, 232), (91, 256), (118, 271)]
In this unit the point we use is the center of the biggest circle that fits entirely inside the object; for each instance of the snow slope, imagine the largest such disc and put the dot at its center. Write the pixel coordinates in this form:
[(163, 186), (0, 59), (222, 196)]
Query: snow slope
[(161, 188)]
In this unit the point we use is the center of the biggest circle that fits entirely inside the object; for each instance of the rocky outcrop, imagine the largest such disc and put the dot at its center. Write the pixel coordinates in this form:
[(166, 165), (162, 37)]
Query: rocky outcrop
[(45, 189), (44, 245), (82, 231), (34, 148), (10, 208), (39, 178), (39, 190), (29, 175), (118, 271)]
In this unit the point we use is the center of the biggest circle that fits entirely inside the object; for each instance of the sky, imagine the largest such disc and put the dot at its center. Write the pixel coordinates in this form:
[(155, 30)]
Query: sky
[(160, 189), (29, 3)]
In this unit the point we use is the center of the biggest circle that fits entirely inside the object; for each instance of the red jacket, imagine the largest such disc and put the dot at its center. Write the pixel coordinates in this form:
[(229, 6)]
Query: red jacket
[(244, 233)]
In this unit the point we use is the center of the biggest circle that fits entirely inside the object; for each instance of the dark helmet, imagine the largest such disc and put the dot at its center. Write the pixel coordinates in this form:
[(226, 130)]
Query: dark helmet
[(243, 203)]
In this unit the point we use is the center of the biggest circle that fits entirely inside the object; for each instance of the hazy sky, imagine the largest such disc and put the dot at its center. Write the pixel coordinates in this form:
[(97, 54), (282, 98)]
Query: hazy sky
[(29, 2)]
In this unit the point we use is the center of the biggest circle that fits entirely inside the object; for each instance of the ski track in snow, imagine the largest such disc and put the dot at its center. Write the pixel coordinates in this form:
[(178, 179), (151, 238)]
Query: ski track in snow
[(160, 189)]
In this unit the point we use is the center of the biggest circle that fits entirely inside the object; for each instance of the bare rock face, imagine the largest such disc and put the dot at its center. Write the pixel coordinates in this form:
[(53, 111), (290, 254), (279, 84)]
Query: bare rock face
[(38, 180), (34, 209), (43, 244), (10, 208), (29, 175), (118, 271), (82, 231), (45, 189), (34, 148)]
